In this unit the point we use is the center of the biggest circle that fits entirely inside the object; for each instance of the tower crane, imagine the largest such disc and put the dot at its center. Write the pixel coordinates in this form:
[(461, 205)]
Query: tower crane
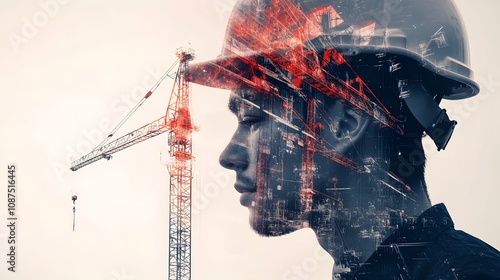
[(177, 122)]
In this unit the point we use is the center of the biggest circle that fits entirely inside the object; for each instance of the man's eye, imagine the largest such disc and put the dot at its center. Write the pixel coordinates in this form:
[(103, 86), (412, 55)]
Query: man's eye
[(250, 120)]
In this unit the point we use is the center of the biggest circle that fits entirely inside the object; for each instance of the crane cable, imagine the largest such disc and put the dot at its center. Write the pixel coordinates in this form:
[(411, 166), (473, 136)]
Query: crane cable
[(150, 92)]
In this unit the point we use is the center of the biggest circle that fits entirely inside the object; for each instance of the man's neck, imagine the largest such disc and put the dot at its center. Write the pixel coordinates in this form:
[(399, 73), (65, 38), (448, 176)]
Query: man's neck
[(358, 229)]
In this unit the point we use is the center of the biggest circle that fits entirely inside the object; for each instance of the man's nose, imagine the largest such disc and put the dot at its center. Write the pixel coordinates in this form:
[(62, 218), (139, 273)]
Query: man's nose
[(234, 156)]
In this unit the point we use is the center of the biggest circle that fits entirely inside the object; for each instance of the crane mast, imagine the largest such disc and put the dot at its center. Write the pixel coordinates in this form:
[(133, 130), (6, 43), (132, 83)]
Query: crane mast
[(180, 169), (177, 122)]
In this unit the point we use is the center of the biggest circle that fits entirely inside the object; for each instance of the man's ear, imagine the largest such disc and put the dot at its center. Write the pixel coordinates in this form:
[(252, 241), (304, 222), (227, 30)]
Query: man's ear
[(348, 127)]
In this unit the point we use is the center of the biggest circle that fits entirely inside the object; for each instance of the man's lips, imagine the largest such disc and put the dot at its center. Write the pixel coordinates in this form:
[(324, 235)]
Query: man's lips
[(247, 191), (247, 199)]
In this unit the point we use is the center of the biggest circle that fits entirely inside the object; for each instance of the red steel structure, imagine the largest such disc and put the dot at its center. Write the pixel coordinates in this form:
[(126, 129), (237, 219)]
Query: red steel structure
[(178, 118), (279, 49)]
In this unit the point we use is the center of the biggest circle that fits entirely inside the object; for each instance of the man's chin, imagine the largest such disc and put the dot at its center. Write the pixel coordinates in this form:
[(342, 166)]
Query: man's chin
[(271, 227)]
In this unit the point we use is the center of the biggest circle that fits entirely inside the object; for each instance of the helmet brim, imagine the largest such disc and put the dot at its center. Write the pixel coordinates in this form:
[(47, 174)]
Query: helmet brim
[(234, 71)]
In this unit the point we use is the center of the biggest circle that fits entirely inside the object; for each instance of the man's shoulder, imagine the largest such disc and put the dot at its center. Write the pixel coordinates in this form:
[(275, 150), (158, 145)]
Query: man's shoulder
[(429, 247), (464, 245), (455, 254)]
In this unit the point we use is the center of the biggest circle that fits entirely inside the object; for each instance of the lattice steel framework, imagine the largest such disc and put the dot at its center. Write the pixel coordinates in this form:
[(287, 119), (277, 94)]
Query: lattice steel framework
[(180, 169)]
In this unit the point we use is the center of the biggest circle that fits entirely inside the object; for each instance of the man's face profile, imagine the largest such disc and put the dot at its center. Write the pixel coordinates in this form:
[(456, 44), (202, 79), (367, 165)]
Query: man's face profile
[(307, 160), (269, 152), (266, 155)]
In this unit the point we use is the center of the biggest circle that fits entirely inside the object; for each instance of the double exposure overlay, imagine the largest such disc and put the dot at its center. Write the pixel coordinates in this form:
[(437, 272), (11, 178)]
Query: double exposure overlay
[(332, 99)]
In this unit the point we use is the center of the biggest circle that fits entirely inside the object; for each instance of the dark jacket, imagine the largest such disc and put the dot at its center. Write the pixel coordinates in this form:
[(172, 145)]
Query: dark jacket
[(430, 248)]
